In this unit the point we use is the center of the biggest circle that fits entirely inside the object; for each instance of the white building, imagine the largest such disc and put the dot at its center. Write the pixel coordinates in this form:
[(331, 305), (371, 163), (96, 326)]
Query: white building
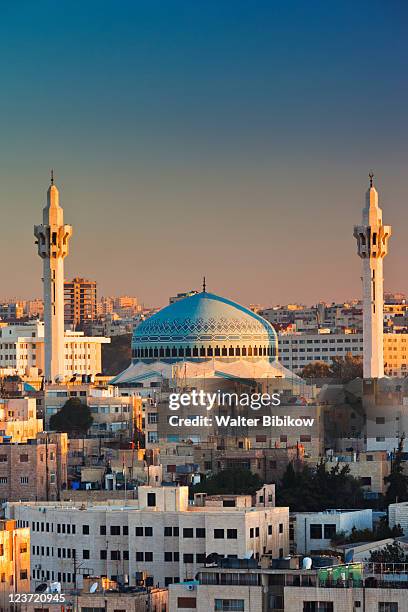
[(22, 348), (398, 515), (372, 244), (298, 349), (315, 530), (53, 246), (159, 534)]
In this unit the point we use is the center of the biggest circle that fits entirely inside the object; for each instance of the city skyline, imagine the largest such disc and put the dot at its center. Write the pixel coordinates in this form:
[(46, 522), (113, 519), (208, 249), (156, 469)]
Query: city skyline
[(205, 155)]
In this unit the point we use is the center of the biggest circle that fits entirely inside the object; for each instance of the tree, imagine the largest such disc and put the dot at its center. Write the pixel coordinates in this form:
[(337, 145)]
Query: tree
[(316, 369), (315, 489), (397, 490), (73, 418), (381, 531), (347, 368), (392, 553), (231, 481)]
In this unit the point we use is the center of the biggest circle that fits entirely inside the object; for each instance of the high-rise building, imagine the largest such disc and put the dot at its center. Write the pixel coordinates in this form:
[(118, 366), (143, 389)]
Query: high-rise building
[(53, 246), (372, 245), (79, 302)]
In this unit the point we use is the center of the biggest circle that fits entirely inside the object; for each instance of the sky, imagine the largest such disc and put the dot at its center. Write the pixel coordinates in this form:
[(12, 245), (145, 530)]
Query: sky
[(217, 138)]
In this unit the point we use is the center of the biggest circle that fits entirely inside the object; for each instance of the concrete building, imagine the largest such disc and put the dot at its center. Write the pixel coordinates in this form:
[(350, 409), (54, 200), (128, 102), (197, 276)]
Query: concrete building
[(398, 515), (160, 537), (79, 302), (22, 350), (35, 470), (315, 530), (372, 244), (14, 561), (112, 412), (18, 419), (53, 246), (296, 350), (371, 468), (236, 585)]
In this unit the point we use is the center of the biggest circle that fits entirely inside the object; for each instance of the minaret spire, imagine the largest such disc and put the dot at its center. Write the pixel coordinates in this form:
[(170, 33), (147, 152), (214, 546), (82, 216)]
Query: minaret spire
[(53, 246), (204, 284), (372, 246)]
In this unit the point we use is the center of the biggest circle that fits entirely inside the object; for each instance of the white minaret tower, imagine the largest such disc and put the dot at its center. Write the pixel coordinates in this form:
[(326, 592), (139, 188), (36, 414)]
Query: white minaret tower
[(53, 239), (372, 246)]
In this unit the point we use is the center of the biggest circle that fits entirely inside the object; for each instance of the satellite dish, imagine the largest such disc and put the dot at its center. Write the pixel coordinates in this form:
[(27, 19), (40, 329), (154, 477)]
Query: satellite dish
[(93, 587), (41, 588), (55, 587)]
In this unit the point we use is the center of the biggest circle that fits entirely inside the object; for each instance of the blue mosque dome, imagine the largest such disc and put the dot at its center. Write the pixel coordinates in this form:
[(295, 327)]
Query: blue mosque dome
[(204, 326)]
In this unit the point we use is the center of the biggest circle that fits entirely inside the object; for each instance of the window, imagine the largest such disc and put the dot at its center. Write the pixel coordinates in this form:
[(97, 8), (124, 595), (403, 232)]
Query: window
[(280, 527), (151, 499), (24, 458), (139, 531), (115, 555), (315, 532), (218, 534), (23, 575), (200, 532), (269, 529), (232, 534), (200, 557), (229, 605), (168, 531), (168, 556), (387, 606), (188, 532), (380, 421), (85, 554), (148, 531), (329, 531), (366, 481), (115, 530), (23, 479), (188, 558), (85, 529), (102, 530), (186, 602), (139, 556), (103, 555), (318, 606), (148, 556)]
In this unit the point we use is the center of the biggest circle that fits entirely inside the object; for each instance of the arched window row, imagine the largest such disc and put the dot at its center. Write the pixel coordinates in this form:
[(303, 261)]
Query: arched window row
[(196, 351)]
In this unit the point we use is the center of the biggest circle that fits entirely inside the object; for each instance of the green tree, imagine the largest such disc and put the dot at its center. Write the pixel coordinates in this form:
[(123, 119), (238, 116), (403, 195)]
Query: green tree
[(392, 553), (381, 531), (319, 488), (397, 490), (73, 418), (231, 481), (347, 368)]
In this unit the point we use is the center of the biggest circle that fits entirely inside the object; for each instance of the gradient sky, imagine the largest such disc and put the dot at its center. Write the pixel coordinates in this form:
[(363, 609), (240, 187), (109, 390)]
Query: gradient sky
[(231, 139)]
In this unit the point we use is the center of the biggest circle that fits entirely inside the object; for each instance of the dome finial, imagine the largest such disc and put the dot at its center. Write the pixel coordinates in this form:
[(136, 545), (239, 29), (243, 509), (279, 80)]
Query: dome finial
[(204, 284), (371, 177), (52, 176)]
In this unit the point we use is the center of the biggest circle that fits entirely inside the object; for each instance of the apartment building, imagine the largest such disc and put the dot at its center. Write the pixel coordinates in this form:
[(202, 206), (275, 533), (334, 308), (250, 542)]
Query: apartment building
[(315, 530), (35, 470), (112, 413), (297, 350), (242, 586), (18, 419), (14, 561), (79, 302), (159, 538), (22, 350)]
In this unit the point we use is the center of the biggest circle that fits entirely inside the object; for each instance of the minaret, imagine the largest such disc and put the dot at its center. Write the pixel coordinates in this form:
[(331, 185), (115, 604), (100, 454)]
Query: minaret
[(372, 246), (52, 239)]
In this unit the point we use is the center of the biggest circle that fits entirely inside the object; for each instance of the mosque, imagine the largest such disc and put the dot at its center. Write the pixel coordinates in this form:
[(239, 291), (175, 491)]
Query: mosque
[(203, 336)]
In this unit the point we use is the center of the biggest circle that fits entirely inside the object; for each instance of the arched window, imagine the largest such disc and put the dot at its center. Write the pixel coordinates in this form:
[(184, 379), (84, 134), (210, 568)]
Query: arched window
[(156, 352), (231, 351), (181, 352), (217, 351), (174, 352), (202, 351), (249, 351), (244, 351), (161, 352), (255, 351), (224, 351), (210, 351), (195, 351), (188, 352), (167, 351), (151, 353), (238, 351)]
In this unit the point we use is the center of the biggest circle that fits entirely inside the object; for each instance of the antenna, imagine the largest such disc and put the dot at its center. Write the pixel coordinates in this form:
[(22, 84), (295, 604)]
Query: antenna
[(371, 177), (204, 284), (52, 176)]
